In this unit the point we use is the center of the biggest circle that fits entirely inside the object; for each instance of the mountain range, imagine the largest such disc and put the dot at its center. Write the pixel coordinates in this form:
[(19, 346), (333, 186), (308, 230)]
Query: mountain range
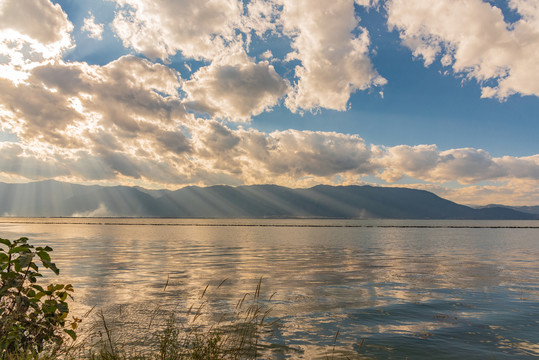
[(57, 199)]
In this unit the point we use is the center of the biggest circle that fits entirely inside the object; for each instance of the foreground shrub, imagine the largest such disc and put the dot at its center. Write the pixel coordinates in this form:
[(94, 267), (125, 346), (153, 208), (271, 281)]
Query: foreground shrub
[(34, 321), (34, 325), (33, 318)]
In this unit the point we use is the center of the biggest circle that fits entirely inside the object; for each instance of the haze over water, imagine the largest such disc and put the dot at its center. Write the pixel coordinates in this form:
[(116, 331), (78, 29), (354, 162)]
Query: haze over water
[(416, 289)]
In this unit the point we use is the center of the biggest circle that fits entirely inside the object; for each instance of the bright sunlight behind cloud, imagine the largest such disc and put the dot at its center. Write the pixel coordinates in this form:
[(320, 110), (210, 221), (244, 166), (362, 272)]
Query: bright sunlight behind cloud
[(143, 119)]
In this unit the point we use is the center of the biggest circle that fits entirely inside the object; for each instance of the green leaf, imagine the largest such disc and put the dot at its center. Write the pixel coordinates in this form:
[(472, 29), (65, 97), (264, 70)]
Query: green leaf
[(38, 287), (62, 307), (4, 257), (44, 255), (52, 266), (5, 242), (71, 333), (25, 259), (19, 249)]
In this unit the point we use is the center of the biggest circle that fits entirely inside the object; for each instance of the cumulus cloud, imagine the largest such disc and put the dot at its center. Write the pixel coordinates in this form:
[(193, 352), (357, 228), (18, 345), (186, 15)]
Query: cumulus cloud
[(466, 165), (95, 31), (44, 32), (517, 192), (61, 102), (236, 90), (123, 118), (263, 16), (524, 167), (300, 153), (290, 157), (284, 157), (334, 62), (473, 38), (368, 3), (200, 29), (399, 160), (334, 58), (135, 121), (212, 153), (125, 121)]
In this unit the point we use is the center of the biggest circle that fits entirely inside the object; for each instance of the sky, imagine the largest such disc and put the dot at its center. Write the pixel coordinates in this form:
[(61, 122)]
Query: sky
[(440, 95)]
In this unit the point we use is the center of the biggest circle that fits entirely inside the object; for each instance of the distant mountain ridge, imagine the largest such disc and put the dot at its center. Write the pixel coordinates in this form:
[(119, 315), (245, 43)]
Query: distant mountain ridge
[(56, 199), (524, 209)]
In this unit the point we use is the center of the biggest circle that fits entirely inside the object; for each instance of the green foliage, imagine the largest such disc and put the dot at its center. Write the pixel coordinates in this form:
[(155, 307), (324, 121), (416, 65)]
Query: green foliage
[(34, 325), (32, 317)]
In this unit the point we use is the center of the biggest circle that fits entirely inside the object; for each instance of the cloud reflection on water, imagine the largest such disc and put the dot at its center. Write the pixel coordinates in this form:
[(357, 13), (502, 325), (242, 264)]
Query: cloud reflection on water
[(390, 285)]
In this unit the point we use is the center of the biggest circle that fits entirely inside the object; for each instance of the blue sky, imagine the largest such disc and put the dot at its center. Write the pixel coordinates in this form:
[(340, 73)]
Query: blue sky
[(439, 95)]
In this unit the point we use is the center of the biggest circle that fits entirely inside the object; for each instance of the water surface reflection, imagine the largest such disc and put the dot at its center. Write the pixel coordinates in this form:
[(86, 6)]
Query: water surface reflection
[(412, 289)]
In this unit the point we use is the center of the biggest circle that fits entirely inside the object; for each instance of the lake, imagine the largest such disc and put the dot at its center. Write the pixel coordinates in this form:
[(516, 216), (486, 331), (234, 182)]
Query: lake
[(417, 289)]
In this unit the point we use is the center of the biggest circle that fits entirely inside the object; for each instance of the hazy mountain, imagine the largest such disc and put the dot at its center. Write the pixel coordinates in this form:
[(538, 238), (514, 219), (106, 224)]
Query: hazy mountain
[(524, 209), (52, 198)]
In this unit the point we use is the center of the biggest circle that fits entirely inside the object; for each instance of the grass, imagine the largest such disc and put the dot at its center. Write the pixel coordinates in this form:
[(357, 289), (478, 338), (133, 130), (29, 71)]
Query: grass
[(243, 333), (34, 321)]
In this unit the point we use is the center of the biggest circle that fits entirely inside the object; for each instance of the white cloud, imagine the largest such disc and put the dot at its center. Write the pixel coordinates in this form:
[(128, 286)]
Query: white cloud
[(95, 31), (131, 121), (472, 37), (516, 192), (399, 160), (334, 61), (236, 90), (125, 122), (299, 153), (200, 29), (524, 167), (513, 192), (267, 55), (263, 16), (282, 157), (368, 3), (123, 118), (466, 165), (30, 28)]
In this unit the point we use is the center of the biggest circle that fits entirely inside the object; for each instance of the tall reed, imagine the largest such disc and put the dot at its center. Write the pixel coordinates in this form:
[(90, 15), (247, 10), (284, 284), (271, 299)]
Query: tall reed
[(242, 333)]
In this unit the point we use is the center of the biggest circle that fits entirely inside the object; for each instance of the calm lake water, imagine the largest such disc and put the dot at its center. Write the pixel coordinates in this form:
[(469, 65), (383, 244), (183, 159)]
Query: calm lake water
[(416, 289)]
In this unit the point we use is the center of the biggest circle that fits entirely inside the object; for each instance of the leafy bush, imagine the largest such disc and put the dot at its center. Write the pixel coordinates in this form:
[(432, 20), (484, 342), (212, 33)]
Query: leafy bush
[(32, 317)]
